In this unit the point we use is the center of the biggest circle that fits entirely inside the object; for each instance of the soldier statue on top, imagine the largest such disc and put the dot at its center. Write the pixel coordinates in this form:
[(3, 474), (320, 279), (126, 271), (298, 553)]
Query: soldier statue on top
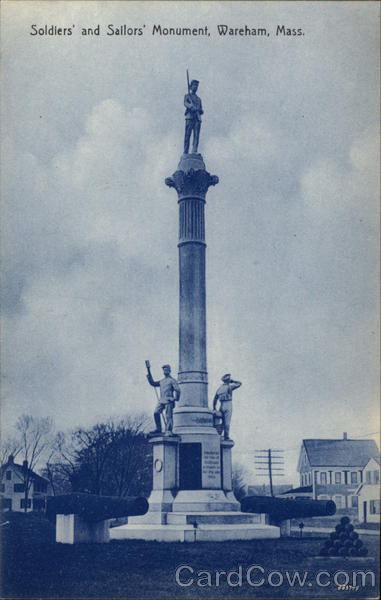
[(169, 394), (193, 112)]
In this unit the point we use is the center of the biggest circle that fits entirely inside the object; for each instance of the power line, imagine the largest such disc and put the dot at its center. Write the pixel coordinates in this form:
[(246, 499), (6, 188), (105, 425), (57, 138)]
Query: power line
[(289, 448), (264, 461)]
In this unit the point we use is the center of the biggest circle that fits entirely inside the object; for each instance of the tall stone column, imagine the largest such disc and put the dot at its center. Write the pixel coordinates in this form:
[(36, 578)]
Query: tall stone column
[(191, 181)]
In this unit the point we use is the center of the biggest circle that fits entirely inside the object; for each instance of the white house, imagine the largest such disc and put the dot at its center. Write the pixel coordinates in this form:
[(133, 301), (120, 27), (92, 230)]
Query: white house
[(298, 492), (332, 469), (368, 493), (12, 488)]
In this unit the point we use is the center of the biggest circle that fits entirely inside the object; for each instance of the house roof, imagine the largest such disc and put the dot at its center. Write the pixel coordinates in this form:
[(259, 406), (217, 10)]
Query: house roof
[(340, 453), (376, 460), (306, 489), (20, 470), (259, 490)]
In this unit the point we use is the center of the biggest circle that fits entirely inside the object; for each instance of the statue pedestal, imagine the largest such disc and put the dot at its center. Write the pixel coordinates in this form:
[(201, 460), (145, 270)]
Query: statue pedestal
[(165, 468), (207, 511)]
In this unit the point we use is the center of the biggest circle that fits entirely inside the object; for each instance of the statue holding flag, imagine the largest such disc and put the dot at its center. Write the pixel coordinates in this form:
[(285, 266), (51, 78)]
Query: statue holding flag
[(169, 394), (193, 112)]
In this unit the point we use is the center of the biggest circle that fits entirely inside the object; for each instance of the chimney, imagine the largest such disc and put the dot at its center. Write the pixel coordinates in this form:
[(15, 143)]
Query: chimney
[(11, 459), (25, 465), (345, 435)]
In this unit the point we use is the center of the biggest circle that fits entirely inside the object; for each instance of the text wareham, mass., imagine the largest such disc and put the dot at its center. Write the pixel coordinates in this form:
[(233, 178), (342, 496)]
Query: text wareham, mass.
[(158, 30)]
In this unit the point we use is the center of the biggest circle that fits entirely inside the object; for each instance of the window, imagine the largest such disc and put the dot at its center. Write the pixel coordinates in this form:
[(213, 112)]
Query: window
[(354, 477), (323, 478), (374, 507), (368, 477), (19, 487), (337, 478), (354, 501), (376, 476), (2, 487), (338, 500), (40, 486), (309, 478), (9, 475), (22, 503), (38, 503), (7, 503)]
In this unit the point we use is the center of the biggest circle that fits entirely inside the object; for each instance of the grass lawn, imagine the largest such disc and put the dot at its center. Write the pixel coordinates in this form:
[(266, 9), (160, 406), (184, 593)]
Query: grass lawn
[(34, 566)]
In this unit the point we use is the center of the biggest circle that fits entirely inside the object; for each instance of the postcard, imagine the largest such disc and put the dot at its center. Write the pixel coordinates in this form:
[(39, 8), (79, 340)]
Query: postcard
[(190, 299)]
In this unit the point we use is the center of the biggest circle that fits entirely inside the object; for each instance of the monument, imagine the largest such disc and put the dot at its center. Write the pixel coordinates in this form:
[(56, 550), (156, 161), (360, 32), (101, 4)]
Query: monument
[(192, 497)]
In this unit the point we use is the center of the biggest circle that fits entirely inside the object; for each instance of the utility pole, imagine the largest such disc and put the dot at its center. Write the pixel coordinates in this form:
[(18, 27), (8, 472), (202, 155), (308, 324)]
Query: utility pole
[(270, 473), (265, 461)]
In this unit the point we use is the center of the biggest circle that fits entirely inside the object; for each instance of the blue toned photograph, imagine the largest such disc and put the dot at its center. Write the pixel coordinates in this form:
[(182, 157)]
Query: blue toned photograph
[(190, 300)]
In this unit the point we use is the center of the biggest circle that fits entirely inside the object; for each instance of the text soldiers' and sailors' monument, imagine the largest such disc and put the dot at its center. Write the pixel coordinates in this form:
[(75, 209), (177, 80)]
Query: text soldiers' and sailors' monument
[(192, 497)]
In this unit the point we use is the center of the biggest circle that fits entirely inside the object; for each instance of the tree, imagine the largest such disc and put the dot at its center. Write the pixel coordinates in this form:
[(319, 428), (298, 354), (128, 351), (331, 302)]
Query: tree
[(129, 469), (8, 447), (56, 472), (112, 458), (34, 437), (239, 477), (92, 450)]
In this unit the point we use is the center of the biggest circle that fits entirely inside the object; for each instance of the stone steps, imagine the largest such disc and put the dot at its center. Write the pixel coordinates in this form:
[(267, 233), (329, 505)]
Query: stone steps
[(208, 532), (220, 517)]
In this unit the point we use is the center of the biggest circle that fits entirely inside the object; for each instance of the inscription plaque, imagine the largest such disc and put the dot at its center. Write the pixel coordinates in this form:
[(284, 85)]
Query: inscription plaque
[(190, 466), (211, 466)]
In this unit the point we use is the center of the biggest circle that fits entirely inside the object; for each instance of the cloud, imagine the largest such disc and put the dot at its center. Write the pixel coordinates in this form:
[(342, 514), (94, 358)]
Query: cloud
[(93, 214)]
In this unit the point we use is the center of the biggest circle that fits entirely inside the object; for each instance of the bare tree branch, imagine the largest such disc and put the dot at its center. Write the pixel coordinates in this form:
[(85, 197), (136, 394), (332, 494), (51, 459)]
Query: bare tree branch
[(35, 435)]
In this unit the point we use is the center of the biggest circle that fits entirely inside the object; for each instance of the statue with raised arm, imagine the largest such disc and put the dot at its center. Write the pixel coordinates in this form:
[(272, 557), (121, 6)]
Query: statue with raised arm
[(169, 394), (224, 395), (193, 112)]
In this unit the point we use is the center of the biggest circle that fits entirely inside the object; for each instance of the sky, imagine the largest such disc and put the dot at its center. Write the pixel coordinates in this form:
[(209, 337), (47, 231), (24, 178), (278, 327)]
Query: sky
[(92, 125)]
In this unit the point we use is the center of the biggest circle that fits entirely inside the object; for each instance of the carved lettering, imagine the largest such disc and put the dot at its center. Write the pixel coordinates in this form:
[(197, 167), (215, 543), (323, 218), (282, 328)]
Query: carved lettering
[(211, 465)]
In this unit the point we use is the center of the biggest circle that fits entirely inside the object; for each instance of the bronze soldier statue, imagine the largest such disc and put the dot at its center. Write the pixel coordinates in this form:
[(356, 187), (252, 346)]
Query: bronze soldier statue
[(225, 395), (193, 114), (169, 394)]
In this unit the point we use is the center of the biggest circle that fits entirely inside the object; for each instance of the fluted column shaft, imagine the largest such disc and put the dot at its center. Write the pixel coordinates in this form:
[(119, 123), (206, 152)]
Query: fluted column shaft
[(192, 323), (191, 182)]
